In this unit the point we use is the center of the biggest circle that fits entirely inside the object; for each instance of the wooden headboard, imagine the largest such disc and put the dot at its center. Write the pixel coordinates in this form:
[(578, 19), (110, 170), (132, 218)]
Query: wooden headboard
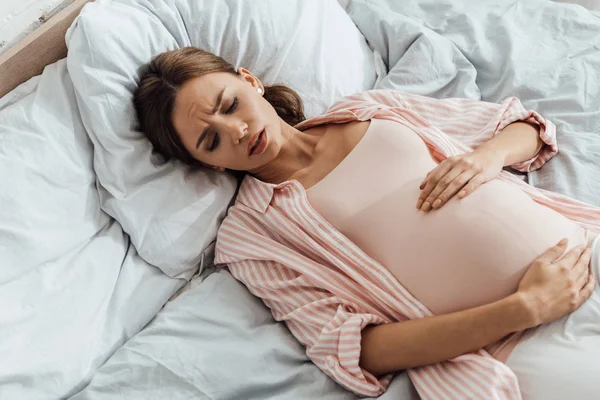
[(41, 47)]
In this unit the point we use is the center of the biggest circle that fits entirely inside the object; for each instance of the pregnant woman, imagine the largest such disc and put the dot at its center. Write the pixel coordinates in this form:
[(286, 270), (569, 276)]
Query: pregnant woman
[(386, 235)]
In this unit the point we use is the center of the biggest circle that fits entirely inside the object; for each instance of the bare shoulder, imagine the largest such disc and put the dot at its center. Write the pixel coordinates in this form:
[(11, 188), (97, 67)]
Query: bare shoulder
[(351, 128), (347, 135), (339, 137), (337, 141)]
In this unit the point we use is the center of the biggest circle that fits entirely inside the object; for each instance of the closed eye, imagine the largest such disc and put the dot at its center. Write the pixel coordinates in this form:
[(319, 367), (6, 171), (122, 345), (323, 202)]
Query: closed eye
[(215, 142), (233, 106)]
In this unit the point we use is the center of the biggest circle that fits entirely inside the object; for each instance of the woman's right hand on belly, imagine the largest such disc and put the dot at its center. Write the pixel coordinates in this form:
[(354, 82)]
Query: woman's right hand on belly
[(555, 286)]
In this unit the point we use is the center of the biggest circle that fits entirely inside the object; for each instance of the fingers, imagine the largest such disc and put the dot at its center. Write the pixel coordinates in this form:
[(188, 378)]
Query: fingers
[(447, 181), (582, 268), (588, 289), (457, 184), (458, 174), (554, 252), (431, 181), (438, 172), (473, 184), (570, 259)]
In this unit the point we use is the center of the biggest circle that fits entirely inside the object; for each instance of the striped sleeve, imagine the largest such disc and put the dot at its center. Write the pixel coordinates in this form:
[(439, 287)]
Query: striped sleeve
[(328, 326), (472, 122)]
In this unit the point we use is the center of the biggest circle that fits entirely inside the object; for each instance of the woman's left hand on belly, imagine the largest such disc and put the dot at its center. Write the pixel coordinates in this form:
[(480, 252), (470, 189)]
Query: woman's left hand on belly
[(458, 174)]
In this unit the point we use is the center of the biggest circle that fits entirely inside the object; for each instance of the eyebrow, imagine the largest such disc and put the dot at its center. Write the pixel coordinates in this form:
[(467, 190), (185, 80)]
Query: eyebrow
[(205, 131)]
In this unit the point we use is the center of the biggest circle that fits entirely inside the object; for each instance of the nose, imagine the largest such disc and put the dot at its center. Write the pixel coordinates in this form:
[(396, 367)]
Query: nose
[(237, 129)]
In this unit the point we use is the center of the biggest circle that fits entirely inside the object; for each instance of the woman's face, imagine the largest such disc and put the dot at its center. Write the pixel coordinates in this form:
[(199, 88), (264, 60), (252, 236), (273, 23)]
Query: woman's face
[(223, 121)]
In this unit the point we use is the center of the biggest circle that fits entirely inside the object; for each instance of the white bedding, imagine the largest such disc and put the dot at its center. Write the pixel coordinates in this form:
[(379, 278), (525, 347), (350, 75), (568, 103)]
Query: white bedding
[(172, 213), (230, 348), (217, 341), (72, 288), (75, 287), (78, 291)]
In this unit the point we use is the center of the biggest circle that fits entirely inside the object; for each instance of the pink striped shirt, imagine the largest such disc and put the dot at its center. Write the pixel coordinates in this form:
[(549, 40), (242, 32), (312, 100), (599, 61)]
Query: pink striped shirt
[(327, 289)]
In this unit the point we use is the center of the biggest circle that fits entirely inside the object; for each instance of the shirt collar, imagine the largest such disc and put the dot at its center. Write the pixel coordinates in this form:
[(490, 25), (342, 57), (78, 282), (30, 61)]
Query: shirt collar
[(257, 194)]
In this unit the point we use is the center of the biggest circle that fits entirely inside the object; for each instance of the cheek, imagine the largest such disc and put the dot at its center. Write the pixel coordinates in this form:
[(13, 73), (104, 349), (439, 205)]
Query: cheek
[(276, 141), (262, 110), (270, 111)]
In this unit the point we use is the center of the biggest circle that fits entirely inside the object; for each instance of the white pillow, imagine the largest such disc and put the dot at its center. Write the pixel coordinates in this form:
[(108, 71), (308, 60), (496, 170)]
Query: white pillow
[(170, 212)]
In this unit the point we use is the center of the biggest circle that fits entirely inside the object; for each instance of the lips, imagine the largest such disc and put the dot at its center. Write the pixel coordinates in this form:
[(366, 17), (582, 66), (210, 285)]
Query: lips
[(257, 142)]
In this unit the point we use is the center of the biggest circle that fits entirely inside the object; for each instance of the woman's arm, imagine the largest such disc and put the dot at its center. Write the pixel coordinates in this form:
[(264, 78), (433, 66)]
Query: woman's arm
[(519, 141), (461, 127), (408, 344), (551, 288), (516, 143)]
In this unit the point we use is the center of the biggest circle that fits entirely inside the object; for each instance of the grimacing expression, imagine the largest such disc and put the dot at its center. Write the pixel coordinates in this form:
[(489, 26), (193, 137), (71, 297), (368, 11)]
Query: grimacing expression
[(219, 117)]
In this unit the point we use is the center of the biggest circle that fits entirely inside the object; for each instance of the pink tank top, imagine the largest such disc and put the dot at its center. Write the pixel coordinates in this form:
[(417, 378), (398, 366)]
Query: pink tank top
[(468, 253)]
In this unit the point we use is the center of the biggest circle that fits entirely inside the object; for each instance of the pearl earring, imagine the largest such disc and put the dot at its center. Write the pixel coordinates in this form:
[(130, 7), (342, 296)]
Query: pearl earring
[(259, 90)]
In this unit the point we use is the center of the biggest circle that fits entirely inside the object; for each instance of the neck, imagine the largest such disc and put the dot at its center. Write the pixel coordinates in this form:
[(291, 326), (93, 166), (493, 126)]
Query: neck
[(297, 153)]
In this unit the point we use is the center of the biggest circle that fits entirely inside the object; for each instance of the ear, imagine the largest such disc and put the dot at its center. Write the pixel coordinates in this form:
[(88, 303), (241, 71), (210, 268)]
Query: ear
[(251, 79)]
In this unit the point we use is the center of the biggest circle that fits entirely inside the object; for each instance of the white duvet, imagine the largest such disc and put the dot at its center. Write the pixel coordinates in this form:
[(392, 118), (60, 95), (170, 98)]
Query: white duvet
[(545, 53), (217, 341), (74, 290)]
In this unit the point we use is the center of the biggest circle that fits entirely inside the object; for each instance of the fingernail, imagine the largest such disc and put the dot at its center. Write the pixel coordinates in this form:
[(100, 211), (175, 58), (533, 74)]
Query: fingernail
[(426, 206), (421, 186), (437, 203), (564, 241), (419, 204), (461, 194)]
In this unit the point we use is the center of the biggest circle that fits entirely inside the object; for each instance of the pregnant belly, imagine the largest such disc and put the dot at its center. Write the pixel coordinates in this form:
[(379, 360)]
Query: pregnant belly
[(468, 253)]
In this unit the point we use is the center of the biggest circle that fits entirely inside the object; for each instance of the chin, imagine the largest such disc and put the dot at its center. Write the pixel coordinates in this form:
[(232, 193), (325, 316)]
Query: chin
[(265, 158)]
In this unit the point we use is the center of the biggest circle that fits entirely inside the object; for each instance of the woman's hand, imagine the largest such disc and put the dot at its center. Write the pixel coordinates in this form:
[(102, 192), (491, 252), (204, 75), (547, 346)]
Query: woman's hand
[(555, 286), (463, 173)]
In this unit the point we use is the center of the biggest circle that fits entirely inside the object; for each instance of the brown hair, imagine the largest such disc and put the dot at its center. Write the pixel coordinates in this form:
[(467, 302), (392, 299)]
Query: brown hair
[(161, 78)]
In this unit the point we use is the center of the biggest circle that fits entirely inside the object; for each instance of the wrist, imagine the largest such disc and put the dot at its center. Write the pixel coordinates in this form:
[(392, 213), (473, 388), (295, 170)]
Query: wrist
[(521, 311), (490, 152)]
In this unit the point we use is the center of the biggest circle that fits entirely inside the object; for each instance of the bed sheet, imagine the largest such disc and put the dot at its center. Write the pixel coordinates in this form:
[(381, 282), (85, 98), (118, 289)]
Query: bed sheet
[(217, 341), (72, 287), (545, 53)]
